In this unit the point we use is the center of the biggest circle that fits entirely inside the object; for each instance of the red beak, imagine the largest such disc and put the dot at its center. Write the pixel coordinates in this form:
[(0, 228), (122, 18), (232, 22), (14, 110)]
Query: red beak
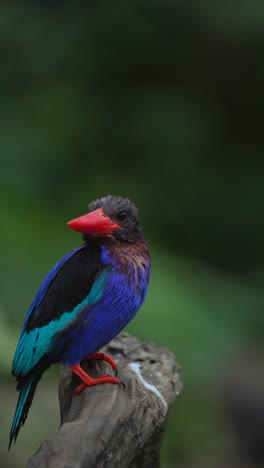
[(96, 222)]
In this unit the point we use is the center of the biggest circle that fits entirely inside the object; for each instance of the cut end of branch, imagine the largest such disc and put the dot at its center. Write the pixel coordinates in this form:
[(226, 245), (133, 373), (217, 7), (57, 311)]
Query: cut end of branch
[(113, 425)]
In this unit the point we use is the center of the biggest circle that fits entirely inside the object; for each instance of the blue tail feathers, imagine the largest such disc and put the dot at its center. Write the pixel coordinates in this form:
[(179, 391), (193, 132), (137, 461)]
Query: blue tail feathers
[(22, 408)]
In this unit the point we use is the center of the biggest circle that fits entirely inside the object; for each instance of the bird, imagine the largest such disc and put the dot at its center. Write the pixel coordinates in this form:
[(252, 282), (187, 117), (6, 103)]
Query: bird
[(87, 298)]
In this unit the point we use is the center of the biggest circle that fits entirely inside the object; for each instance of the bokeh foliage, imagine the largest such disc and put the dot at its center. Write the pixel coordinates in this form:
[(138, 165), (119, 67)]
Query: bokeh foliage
[(161, 101)]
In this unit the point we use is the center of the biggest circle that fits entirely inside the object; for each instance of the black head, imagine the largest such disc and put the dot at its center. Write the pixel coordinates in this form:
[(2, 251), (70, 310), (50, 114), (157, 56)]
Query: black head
[(123, 213), (110, 218)]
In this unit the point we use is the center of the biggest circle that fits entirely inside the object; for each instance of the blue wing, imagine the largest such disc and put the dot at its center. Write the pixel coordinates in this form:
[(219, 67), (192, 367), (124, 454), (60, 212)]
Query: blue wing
[(75, 283), (46, 284)]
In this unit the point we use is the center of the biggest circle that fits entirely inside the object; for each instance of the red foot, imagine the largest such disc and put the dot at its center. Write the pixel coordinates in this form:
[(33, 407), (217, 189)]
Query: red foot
[(102, 356), (89, 381)]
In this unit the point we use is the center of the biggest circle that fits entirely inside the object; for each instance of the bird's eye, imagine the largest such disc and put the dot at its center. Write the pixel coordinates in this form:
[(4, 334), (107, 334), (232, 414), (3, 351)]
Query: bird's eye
[(122, 215)]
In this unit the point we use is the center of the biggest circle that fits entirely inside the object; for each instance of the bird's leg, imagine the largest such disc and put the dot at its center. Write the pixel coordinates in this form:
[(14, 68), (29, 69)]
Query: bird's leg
[(89, 381), (102, 356)]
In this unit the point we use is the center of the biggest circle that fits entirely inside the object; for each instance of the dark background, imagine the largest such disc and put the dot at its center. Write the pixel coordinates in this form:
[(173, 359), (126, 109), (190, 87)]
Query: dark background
[(161, 101)]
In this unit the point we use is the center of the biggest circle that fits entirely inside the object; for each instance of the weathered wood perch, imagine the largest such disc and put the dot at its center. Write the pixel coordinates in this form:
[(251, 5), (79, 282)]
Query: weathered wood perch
[(114, 426)]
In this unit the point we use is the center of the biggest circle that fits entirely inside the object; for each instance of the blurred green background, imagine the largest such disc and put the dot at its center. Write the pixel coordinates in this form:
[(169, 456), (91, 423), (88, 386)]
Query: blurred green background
[(161, 101)]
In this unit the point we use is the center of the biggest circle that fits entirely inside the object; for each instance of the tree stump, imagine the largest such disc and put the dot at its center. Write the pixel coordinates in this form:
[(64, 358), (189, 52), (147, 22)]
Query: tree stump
[(110, 426)]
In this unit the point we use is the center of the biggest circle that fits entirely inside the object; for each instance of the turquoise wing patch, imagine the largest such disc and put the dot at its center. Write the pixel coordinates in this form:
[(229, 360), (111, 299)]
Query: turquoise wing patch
[(34, 345)]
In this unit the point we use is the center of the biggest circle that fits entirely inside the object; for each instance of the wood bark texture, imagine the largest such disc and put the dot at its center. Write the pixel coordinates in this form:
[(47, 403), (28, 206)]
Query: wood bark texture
[(114, 426)]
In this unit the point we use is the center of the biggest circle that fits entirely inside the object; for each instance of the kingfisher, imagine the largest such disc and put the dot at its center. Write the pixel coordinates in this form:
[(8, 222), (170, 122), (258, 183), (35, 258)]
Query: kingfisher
[(87, 298)]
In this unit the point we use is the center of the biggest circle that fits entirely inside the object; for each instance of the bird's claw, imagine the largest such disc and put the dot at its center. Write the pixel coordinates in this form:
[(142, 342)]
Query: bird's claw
[(121, 383)]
